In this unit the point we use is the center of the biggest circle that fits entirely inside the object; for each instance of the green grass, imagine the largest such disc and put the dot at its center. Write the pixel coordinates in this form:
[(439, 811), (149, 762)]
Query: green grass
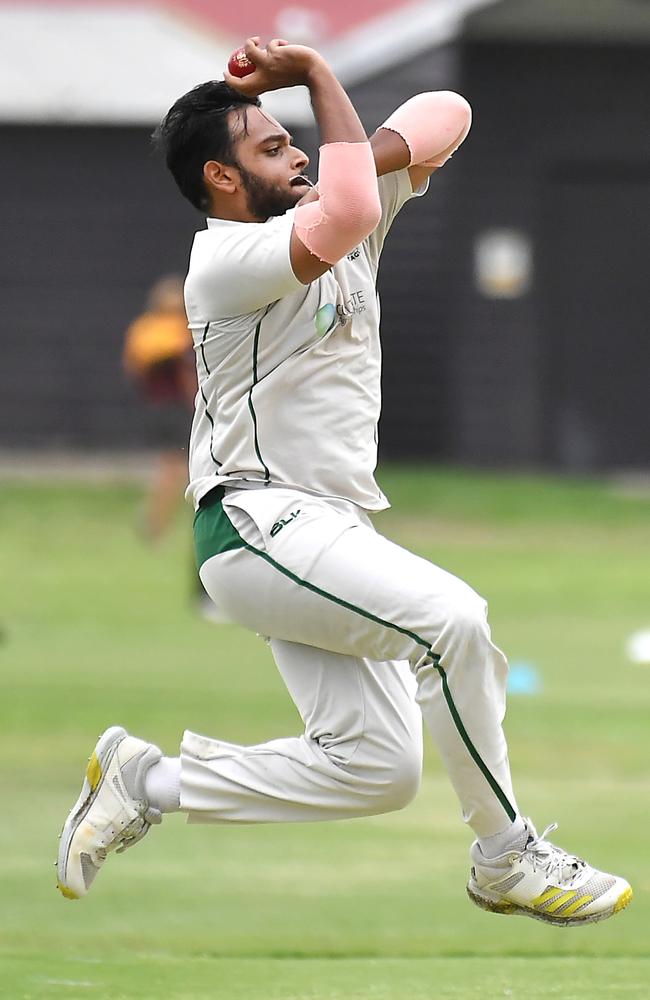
[(97, 629)]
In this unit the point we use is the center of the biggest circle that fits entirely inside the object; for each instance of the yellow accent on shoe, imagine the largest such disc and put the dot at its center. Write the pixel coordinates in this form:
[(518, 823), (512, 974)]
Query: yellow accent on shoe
[(623, 900), (93, 772), (550, 892), (68, 893), (566, 897), (575, 905)]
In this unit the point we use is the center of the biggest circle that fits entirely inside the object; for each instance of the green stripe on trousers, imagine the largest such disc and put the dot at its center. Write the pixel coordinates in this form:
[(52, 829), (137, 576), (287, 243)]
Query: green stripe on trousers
[(215, 533)]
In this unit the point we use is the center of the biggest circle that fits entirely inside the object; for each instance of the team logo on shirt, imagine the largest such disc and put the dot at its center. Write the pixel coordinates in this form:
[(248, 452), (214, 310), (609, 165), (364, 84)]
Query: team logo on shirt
[(325, 319), (283, 522), (352, 306)]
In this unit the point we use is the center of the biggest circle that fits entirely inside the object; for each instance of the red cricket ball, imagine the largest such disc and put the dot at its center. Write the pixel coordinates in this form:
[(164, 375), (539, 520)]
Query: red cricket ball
[(239, 64)]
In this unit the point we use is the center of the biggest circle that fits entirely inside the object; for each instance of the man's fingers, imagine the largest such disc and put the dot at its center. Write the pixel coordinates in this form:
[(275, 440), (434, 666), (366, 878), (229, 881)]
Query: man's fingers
[(232, 81), (276, 43), (256, 54), (244, 85)]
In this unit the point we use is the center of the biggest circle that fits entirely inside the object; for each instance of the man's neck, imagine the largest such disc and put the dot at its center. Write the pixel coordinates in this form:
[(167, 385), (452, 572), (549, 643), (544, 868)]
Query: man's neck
[(233, 213)]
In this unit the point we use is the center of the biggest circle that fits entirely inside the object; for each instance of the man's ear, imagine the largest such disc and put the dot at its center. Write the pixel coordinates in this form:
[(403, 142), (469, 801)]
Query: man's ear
[(220, 178)]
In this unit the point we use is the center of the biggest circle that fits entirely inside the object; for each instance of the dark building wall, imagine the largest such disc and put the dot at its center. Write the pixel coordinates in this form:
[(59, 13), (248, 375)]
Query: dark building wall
[(559, 152), (90, 219), (413, 279)]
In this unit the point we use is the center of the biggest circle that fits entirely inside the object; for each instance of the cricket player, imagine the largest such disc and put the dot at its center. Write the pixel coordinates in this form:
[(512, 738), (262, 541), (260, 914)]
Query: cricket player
[(282, 304)]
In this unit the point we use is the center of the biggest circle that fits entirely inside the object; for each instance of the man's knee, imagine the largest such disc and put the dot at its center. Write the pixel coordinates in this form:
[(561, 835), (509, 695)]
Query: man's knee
[(395, 779), (384, 772), (407, 774)]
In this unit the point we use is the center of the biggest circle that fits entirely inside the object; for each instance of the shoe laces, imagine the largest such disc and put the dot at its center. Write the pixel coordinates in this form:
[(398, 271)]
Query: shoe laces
[(137, 829), (549, 858), (135, 834), (131, 834)]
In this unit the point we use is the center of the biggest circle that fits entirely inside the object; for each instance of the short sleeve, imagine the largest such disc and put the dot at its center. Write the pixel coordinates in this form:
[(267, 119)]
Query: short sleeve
[(394, 191), (237, 268)]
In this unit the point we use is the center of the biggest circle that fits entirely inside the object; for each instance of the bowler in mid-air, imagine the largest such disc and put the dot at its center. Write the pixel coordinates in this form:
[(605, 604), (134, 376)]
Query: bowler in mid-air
[(369, 638)]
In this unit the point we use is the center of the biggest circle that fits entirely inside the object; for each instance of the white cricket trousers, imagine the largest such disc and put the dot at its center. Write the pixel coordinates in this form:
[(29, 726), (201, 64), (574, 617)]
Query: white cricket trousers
[(351, 618)]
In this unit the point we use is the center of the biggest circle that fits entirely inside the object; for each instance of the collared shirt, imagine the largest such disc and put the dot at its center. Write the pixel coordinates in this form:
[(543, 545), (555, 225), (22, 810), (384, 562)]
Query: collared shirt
[(289, 374)]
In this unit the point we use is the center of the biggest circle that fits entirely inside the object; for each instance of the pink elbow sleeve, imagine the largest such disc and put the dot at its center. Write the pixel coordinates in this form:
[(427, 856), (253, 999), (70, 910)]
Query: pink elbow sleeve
[(348, 207), (432, 125)]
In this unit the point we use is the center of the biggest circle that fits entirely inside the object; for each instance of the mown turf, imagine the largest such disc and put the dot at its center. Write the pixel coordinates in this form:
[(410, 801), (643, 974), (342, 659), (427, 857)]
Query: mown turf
[(97, 629)]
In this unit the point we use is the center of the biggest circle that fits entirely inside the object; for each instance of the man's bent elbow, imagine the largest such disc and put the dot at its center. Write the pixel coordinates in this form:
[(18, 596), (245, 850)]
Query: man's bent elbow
[(348, 209)]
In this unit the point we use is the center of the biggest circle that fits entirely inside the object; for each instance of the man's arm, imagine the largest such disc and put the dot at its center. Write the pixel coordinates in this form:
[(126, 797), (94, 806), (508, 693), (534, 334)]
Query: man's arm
[(421, 135), (391, 153), (347, 208)]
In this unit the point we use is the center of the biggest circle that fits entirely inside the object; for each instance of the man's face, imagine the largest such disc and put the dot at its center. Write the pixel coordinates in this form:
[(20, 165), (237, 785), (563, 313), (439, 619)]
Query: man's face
[(270, 167)]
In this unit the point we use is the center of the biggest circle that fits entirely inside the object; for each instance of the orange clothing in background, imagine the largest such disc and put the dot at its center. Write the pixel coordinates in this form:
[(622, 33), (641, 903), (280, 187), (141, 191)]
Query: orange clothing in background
[(158, 353), (155, 337)]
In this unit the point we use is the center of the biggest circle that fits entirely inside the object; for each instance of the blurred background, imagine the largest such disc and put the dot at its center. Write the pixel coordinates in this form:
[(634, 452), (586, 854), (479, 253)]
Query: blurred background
[(514, 296), (515, 446)]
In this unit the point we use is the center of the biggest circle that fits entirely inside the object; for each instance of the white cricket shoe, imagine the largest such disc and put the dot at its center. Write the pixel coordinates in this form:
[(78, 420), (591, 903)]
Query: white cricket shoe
[(111, 812), (544, 882)]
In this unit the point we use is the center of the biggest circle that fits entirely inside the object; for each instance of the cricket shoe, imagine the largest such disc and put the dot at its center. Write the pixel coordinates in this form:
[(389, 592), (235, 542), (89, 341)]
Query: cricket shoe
[(111, 813), (544, 882)]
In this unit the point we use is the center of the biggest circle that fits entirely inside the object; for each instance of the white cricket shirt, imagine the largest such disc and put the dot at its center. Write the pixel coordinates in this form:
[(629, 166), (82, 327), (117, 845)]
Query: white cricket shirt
[(289, 374)]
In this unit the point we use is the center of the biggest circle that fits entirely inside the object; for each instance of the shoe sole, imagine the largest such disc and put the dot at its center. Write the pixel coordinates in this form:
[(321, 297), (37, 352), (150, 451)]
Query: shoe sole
[(508, 908), (97, 765)]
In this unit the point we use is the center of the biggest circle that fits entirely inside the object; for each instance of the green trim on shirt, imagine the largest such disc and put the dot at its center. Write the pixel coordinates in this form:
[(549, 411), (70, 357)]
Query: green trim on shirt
[(267, 474)]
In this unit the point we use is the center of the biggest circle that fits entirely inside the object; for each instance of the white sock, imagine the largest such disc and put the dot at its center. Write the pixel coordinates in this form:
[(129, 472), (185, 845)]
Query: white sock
[(513, 838), (162, 784)]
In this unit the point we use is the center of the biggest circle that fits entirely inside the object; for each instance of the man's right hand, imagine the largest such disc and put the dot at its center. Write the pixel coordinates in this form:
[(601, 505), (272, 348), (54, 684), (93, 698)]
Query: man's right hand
[(280, 64)]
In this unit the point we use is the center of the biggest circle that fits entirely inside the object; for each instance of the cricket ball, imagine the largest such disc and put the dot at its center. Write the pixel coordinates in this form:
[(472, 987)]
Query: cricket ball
[(239, 64)]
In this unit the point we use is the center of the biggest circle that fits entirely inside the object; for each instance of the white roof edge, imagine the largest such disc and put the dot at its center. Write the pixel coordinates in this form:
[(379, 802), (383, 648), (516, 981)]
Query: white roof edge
[(290, 107), (126, 89), (377, 46), (411, 30)]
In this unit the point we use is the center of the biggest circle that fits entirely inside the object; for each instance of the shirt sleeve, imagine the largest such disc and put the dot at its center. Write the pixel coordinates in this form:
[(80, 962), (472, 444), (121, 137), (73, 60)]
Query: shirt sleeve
[(244, 267), (394, 191)]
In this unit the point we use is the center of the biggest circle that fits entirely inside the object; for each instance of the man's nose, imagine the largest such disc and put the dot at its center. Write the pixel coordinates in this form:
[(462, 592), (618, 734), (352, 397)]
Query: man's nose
[(300, 159)]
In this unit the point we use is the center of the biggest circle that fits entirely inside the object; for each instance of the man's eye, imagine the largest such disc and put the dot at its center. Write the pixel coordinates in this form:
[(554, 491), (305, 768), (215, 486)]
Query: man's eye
[(273, 150)]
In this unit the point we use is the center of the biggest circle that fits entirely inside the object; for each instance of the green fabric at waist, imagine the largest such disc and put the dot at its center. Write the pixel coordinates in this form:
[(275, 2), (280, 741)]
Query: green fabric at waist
[(214, 532)]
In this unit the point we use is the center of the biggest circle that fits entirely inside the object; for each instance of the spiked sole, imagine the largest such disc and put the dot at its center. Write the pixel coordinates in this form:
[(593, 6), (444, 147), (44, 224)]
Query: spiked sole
[(97, 764), (508, 908)]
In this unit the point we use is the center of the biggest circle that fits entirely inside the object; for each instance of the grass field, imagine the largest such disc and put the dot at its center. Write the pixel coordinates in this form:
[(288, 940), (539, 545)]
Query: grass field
[(97, 629)]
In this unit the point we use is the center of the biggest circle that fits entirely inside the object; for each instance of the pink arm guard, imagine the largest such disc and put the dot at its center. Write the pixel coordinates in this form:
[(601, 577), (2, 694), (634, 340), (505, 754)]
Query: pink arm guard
[(348, 207), (429, 124)]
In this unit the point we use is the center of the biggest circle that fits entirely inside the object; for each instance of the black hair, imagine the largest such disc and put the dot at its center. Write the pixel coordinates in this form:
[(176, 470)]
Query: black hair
[(195, 130)]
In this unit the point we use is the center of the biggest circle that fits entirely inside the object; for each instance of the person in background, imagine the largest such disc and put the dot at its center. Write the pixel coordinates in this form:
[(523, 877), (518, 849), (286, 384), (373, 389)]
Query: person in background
[(158, 358)]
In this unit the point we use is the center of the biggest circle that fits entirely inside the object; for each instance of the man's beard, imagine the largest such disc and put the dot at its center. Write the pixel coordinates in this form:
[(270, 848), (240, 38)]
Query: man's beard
[(265, 198)]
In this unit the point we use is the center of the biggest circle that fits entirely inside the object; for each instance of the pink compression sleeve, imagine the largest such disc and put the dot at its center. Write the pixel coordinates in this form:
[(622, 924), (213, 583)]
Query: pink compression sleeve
[(348, 207), (432, 125)]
